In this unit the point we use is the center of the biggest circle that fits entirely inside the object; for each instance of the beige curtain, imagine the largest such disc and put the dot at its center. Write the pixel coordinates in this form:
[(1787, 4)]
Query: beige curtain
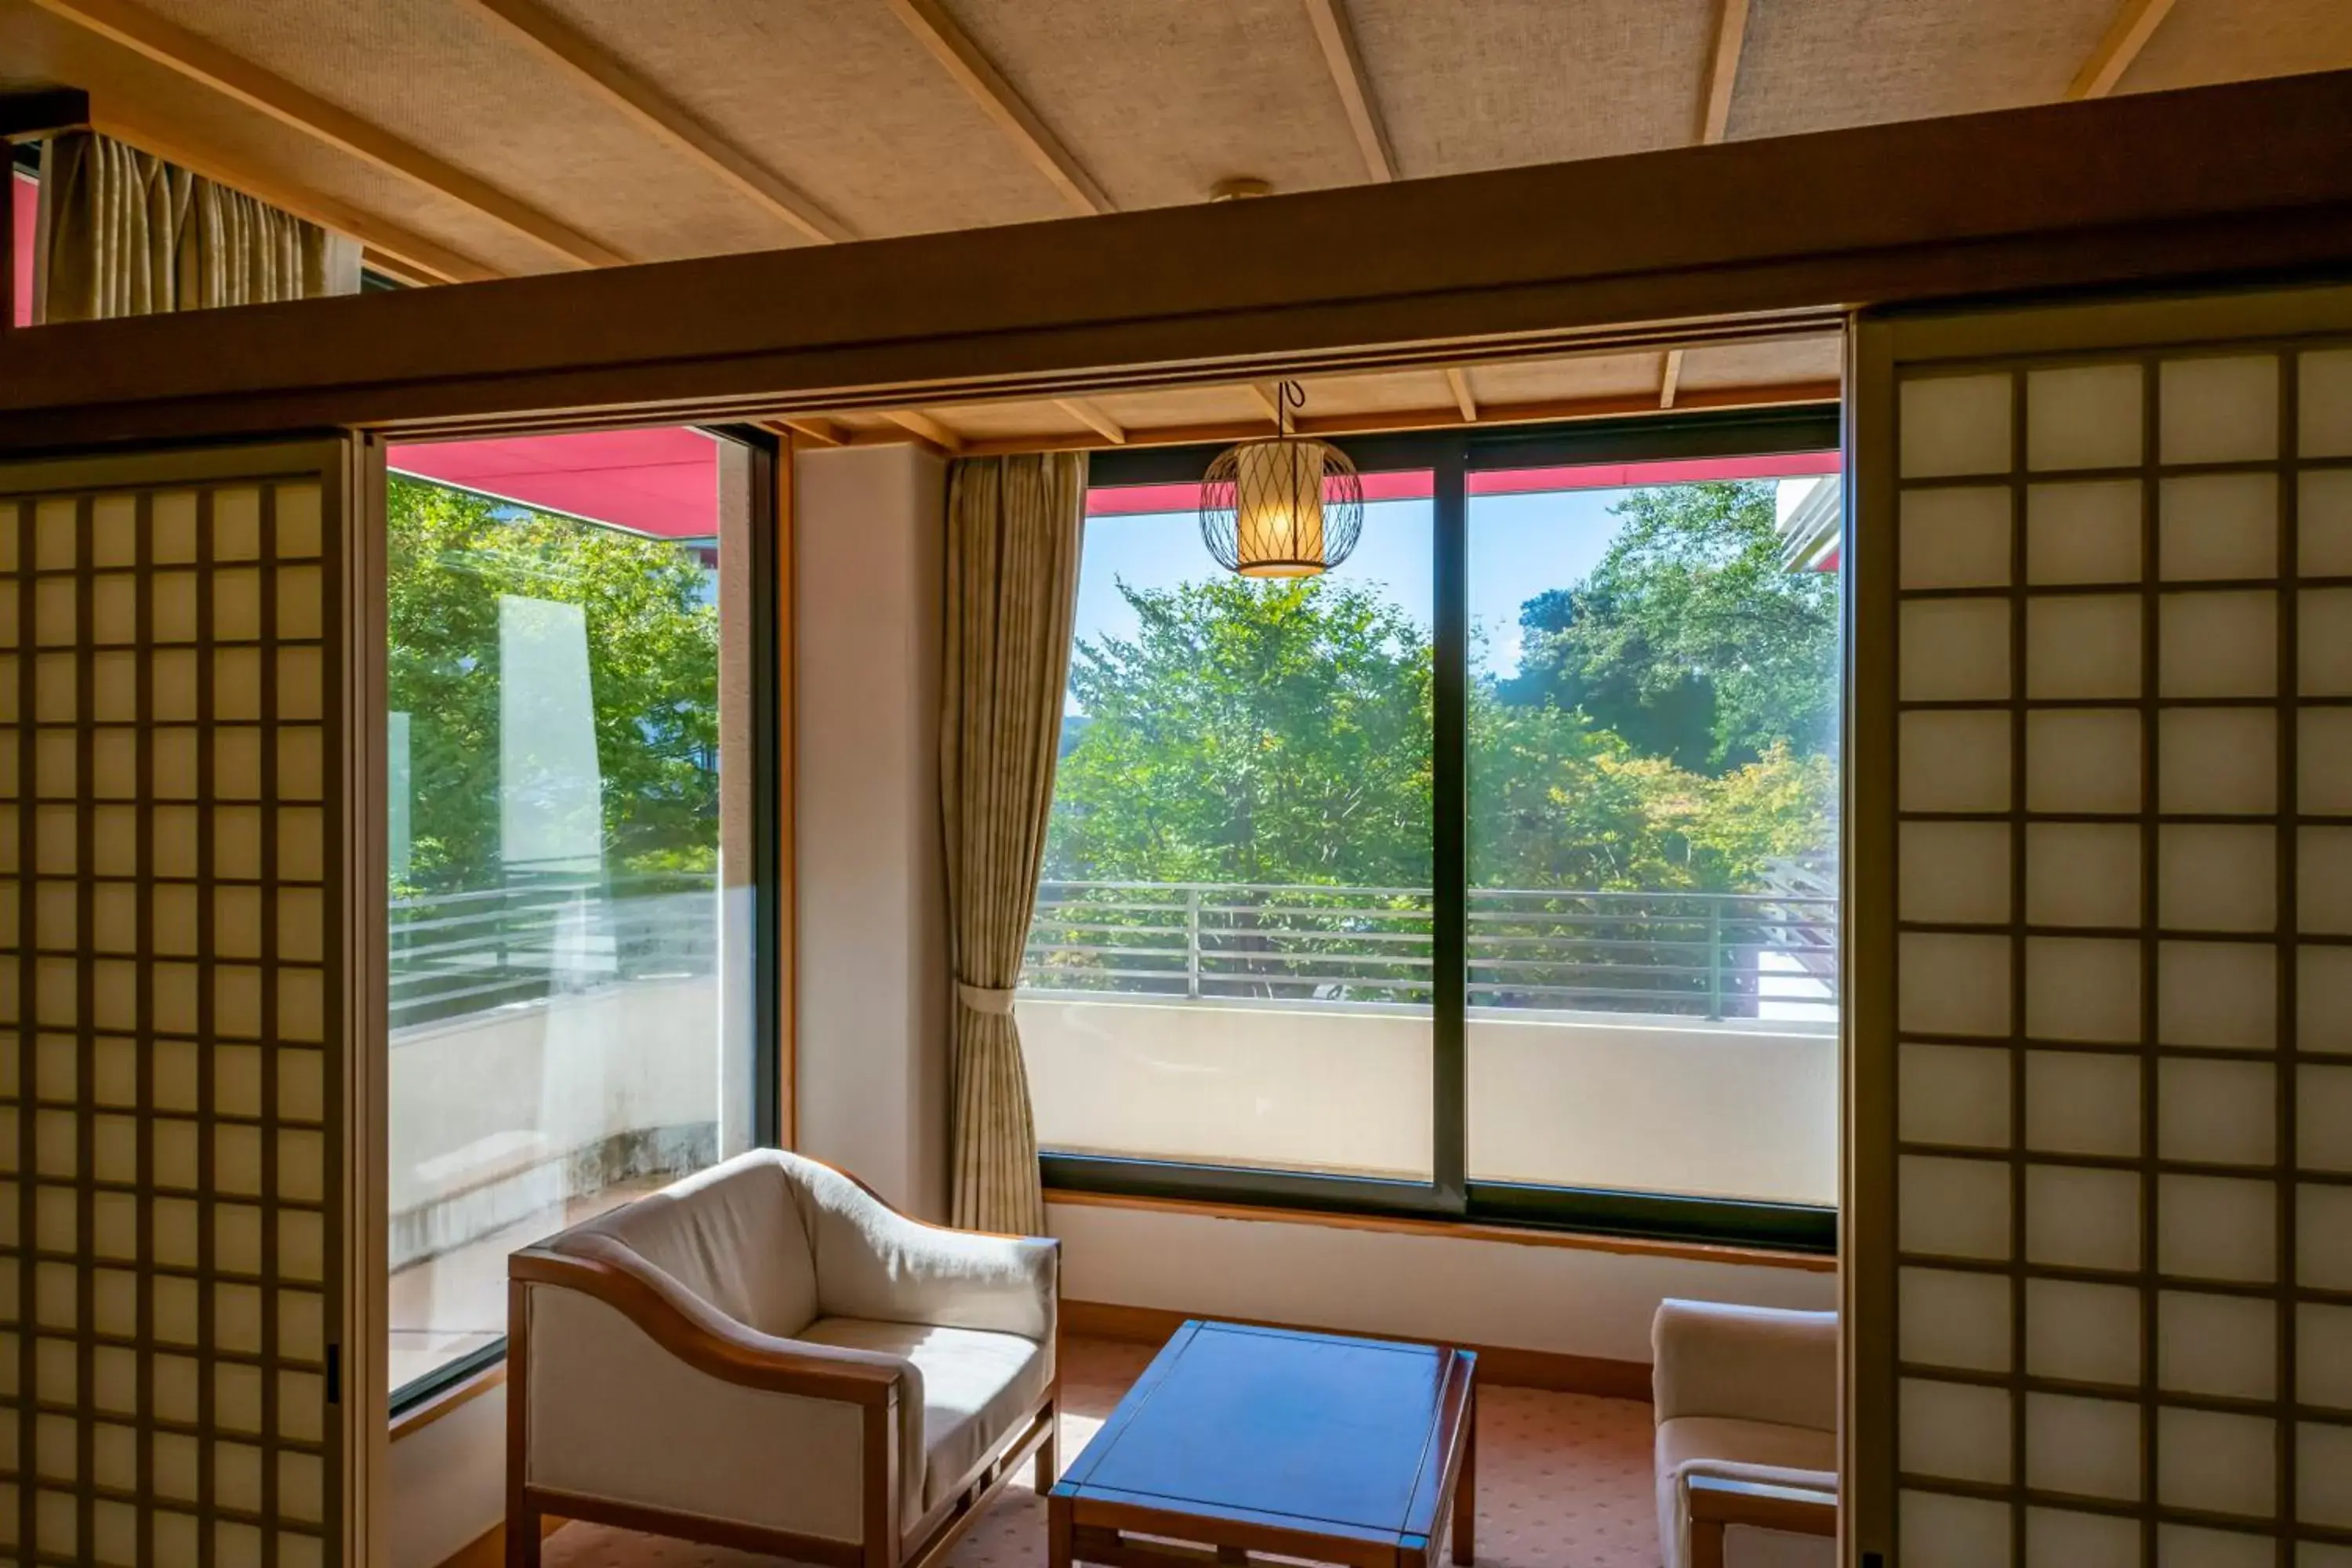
[(1014, 526), (125, 234)]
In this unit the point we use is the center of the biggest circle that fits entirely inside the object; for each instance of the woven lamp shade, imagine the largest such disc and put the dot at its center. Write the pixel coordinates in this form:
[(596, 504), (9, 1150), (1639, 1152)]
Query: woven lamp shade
[(1289, 507)]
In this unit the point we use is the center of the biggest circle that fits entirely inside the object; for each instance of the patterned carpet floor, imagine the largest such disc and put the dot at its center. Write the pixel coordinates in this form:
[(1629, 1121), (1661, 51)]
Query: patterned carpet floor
[(1563, 1482)]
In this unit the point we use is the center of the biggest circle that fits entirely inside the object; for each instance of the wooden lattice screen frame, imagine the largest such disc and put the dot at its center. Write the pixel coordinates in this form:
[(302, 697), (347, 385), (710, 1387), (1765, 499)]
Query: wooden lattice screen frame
[(186, 717), (2099, 1190)]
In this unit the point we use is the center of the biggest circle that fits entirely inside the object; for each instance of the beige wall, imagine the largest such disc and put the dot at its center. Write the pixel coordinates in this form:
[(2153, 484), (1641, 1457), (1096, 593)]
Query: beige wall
[(869, 525), (448, 1482), (1569, 1300)]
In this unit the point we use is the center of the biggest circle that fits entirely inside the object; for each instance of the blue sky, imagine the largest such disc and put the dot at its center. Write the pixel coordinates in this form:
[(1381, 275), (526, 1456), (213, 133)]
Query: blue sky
[(1519, 546)]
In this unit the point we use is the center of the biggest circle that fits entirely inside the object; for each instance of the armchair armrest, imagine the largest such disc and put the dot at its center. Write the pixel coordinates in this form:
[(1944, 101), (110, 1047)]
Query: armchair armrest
[(1752, 1363), (874, 1262), (1760, 1505), (705, 1339), (1713, 1504), (625, 1387)]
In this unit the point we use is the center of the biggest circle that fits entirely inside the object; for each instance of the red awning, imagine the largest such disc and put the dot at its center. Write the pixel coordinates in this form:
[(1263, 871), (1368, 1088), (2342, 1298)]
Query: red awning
[(659, 482), (28, 197), (1125, 500)]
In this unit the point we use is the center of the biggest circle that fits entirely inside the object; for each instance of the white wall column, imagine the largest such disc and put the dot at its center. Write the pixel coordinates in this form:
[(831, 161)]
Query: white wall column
[(869, 530)]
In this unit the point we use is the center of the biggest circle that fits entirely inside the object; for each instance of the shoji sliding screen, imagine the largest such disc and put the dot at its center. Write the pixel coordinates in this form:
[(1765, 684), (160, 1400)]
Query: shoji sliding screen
[(2100, 1156), (181, 927)]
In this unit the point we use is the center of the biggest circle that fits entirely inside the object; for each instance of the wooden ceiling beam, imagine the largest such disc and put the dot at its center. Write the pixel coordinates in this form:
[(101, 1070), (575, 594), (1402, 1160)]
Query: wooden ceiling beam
[(206, 63), (1091, 416), (1714, 119), (1336, 38), (655, 111), (824, 432), (2136, 22), (1459, 380), (917, 422), (1722, 69), (412, 257), (1380, 422), (977, 74)]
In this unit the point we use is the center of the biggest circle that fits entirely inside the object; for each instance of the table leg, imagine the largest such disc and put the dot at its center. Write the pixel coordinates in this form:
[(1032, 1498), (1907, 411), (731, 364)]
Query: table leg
[(1058, 1530), (1466, 1490)]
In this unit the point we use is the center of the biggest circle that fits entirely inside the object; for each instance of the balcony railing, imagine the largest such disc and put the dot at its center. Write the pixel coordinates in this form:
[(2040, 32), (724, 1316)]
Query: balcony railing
[(1707, 956), (458, 954)]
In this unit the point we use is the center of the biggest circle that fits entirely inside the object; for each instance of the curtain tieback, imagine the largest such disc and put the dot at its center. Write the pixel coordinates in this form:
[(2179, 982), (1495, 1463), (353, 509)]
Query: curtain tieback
[(986, 999)]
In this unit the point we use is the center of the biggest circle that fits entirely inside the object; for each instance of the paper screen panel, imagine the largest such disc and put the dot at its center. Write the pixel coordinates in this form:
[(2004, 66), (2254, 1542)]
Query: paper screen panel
[(2160, 889), (170, 917)]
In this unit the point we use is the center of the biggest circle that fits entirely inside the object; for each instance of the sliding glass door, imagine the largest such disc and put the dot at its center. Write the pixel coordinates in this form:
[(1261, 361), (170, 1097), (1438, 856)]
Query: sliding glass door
[(1653, 826), (1492, 873), (570, 845)]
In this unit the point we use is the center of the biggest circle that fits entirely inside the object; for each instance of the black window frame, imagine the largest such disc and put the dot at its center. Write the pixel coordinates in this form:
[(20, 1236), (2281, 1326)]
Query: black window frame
[(1450, 456), (765, 652)]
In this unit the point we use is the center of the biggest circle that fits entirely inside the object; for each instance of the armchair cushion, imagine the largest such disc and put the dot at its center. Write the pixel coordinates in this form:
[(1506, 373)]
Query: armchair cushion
[(975, 1386), (874, 1262), (1754, 1363), (732, 1236)]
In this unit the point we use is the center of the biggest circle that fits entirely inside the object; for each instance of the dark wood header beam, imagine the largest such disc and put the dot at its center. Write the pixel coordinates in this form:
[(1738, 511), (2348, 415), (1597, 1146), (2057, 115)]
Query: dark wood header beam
[(2148, 188), (42, 112)]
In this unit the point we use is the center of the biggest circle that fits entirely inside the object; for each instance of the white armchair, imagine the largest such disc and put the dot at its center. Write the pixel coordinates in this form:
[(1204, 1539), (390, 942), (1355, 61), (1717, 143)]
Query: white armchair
[(1746, 1400), (767, 1356)]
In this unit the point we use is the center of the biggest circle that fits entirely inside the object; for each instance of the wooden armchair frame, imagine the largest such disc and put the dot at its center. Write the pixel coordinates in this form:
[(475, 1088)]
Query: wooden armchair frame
[(706, 1340)]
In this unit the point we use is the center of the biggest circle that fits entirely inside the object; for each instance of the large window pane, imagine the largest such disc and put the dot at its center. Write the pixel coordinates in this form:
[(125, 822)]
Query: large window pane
[(1230, 963), (1653, 775), (569, 993)]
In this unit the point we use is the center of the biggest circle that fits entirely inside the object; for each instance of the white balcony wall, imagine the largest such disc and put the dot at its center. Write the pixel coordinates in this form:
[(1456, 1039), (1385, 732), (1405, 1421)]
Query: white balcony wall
[(1582, 1100), (1312, 1086), (486, 1095), (1706, 1110)]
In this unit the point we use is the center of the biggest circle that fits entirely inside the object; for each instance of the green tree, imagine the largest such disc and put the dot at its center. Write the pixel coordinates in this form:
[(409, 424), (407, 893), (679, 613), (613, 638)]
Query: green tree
[(652, 662), (1690, 639), (1665, 733), (1273, 731)]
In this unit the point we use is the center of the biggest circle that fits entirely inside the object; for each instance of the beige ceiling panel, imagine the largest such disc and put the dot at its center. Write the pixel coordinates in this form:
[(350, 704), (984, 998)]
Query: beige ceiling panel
[(863, 420), (1333, 397), (2236, 40), (1505, 82), (1780, 363), (1008, 421), (205, 126), (1159, 99), (1817, 65), (442, 77), (1566, 380), (834, 96), (1177, 407)]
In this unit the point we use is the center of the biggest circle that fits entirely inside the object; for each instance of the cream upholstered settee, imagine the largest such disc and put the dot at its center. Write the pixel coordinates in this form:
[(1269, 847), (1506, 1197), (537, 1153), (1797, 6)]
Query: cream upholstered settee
[(767, 1355), (1746, 1400)]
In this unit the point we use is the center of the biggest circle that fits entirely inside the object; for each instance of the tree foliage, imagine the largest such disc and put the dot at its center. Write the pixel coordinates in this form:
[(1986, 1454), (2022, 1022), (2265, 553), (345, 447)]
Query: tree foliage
[(1690, 639), (652, 664), (1669, 728), (1271, 732)]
